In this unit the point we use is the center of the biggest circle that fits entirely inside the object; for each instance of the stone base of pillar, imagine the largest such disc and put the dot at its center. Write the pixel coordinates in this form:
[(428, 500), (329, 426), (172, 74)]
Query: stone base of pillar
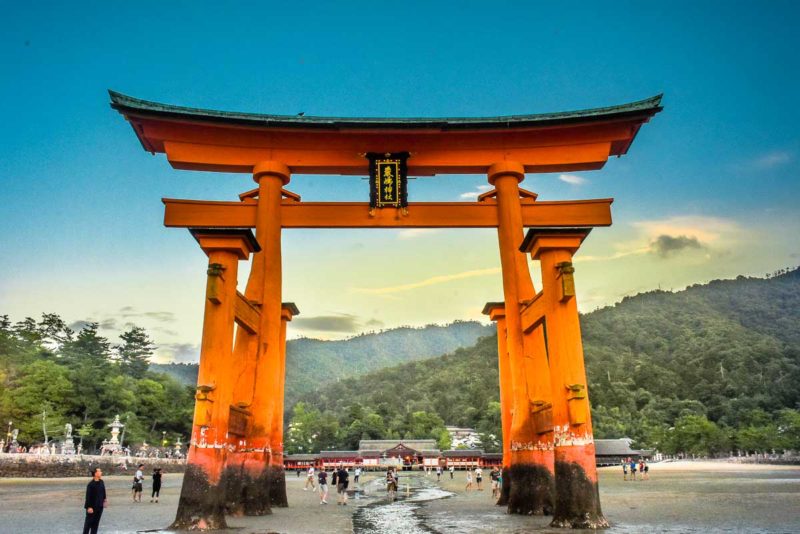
[(277, 489), (256, 481), (577, 498), (505, 488), (201, 505), (531, 489)]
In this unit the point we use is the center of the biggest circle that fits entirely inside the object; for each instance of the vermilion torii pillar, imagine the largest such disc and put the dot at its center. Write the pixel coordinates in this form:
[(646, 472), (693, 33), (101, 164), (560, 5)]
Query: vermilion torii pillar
[(202, 500), (278, 483), (265, 287), (531, 463), (497, 313), (577, 493)]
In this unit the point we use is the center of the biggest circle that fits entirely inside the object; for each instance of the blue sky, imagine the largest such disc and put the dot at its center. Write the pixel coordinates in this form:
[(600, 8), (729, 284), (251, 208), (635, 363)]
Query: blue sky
[(81, 212)]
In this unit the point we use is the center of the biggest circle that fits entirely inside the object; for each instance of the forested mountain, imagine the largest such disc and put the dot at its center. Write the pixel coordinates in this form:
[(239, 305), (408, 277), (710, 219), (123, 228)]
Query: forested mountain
[(709, 369), (311, 363), (704, 370)]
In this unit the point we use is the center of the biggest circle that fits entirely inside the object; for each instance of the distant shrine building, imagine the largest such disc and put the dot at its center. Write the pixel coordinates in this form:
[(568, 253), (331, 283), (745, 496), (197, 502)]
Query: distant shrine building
[(378, 454)]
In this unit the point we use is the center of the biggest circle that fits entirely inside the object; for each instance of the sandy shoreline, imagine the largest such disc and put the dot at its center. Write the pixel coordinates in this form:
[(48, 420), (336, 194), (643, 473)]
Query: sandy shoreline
[(710, 466), (680, 497)]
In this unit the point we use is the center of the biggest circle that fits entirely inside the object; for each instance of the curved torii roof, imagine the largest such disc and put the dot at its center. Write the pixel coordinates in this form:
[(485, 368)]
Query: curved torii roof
[(215, 140)]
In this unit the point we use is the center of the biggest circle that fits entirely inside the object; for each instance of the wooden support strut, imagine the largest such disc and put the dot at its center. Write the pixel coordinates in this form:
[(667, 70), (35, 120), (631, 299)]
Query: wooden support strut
[(248, 315)]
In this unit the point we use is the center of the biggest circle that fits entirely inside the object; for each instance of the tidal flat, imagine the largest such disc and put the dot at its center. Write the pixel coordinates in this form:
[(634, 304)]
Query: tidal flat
[(690, 497)]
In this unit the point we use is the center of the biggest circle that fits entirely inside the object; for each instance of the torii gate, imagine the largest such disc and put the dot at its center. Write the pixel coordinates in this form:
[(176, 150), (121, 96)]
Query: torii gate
[(235, 460)]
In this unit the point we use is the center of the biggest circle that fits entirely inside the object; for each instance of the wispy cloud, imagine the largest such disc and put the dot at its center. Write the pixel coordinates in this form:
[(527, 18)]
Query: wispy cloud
[(573, 179), (108, 324), (411, 233), (705, 229), (772, 159), (79, 325), (666, 245), (102, 324), (167, 331), (669, 237), (340, 322), (479, 190), (178, 352), (160, 316), (434, 280), (615, 256), (328, 323)]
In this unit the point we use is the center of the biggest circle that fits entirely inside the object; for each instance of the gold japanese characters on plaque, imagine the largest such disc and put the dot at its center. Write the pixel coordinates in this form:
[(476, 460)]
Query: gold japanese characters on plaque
[(388, 180)]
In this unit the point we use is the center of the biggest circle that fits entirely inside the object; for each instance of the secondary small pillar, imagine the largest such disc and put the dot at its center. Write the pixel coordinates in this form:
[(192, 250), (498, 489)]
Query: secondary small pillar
[(497, 313), (531, 467), (577, 494), (202, 501), (278, 484)]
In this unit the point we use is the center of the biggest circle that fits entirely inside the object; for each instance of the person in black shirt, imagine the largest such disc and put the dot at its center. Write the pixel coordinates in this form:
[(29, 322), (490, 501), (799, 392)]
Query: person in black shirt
[(95, 502), (156, 484), (322, 477), (341, 485)]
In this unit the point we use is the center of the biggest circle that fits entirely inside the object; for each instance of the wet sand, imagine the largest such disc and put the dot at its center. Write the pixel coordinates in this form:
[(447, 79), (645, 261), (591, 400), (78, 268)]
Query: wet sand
[(692, 497)]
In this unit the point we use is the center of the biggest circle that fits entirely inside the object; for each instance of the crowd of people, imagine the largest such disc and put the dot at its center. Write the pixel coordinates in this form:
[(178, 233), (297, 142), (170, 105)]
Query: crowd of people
[(631, 465), (340, 479), (318, 480)]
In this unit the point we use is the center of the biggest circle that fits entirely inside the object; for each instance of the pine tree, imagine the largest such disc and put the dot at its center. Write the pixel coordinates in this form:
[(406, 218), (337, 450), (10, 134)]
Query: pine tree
[(134, 354)]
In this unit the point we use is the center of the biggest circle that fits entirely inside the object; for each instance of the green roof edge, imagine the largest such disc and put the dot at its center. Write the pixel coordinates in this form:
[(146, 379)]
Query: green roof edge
[(127, 104)]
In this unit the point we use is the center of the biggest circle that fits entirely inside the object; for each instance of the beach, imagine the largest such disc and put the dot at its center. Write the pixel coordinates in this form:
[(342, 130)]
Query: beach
[(679, 497)]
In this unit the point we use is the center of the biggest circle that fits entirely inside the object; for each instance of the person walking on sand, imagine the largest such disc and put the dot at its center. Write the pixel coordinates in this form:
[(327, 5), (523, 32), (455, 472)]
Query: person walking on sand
[(156, 484), (469, 481), (138, 480), (439, 473), (341, 484), (479, 477), (323, 486), (95, 502), (357, 474), (391, 484), (646, 471), (633, 469), (309, 479), (624, 469), (452, 472), (494, 476)]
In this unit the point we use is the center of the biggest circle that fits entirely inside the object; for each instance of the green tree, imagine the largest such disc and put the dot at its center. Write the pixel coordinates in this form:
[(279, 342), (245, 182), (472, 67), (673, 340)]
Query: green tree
[(135, 352), (696, 435), (39, 386), (788, 427)]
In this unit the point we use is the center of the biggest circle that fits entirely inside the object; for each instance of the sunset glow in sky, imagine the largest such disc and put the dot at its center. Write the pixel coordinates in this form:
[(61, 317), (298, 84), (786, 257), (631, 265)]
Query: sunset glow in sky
[(708, 190)]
